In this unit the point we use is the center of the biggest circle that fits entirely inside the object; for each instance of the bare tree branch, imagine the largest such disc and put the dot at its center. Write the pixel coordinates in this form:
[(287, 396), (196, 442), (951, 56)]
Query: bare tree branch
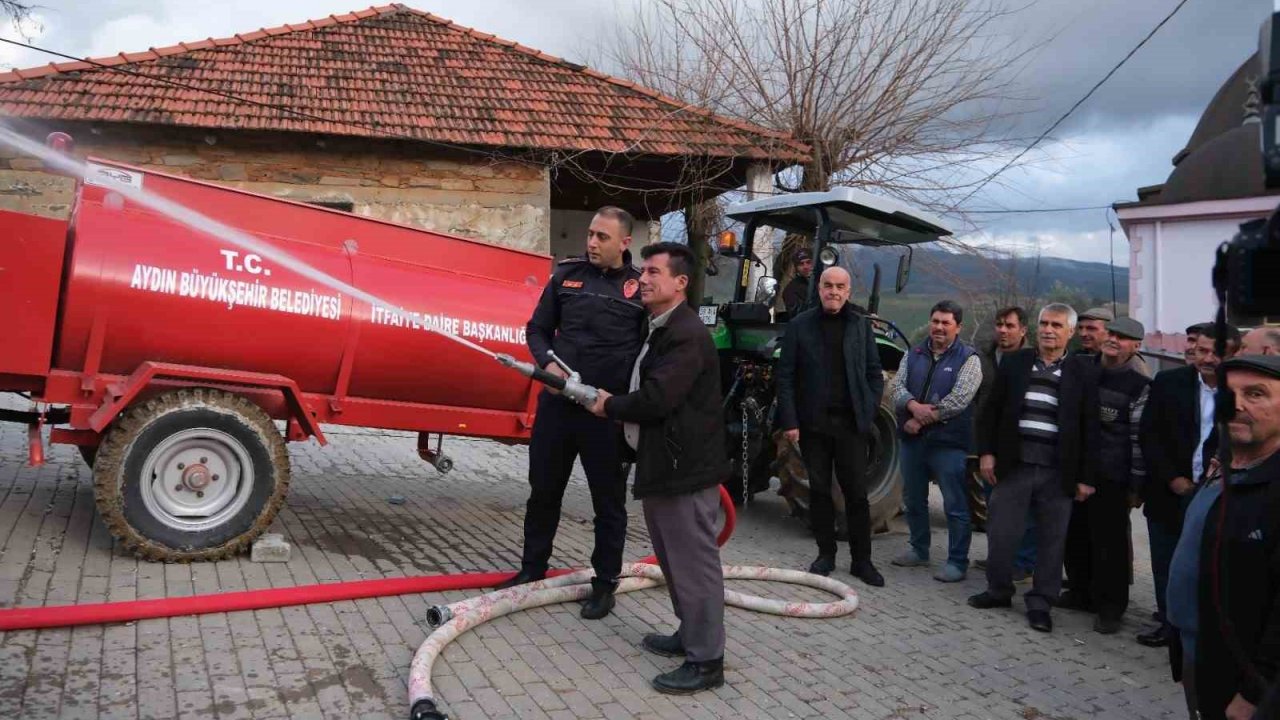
[(903, 96)]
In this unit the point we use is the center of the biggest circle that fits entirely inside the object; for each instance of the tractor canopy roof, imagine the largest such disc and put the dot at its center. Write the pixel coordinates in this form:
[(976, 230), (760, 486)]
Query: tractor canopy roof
[(857, 216)]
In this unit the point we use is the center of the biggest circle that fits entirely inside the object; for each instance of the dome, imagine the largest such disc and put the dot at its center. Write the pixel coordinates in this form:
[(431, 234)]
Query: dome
[(1223, 157), (1227, 166), (1225, 110)]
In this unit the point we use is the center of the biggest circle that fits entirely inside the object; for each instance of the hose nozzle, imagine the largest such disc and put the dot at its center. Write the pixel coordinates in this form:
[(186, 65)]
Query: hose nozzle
[(438, 615), (570, 387), (425, 709)]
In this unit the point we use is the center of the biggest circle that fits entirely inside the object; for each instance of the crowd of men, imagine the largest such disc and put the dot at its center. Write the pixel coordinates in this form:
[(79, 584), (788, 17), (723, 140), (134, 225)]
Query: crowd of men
[(1068, 427)]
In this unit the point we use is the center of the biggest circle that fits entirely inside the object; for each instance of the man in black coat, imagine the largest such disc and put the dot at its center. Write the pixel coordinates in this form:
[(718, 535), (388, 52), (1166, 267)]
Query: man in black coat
[(1178, 439), (673, 420), (829, 386), (1030, 445), (1224, 581)]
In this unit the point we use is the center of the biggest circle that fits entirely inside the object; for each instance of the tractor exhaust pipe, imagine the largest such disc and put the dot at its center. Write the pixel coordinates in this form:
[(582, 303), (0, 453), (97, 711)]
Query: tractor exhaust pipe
[(873, 302)]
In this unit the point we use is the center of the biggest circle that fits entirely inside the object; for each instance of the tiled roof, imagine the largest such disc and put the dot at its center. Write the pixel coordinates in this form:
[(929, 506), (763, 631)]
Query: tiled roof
[(386, 70)]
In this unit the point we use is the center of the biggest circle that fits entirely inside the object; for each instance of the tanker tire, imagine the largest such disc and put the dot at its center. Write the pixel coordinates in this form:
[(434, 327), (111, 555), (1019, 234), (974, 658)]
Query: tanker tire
[(133, 435)]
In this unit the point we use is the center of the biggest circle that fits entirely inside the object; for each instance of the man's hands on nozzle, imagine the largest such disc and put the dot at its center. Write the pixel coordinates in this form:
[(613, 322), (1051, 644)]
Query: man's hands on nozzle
[(555, 369), (598, 408)]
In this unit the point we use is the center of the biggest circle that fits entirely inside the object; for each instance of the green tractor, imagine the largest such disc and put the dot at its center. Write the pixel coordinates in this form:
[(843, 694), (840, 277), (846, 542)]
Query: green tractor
[(748, 336)]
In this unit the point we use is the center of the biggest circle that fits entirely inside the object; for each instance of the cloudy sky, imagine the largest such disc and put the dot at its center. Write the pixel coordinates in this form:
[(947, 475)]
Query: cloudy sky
[(1121, 139)]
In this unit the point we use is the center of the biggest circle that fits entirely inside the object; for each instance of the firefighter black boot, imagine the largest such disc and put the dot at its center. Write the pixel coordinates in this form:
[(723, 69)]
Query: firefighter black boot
[(601, 600)]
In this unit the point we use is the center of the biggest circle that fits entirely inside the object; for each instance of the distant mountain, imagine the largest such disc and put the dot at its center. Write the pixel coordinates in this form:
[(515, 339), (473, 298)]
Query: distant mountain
[(938, 272)]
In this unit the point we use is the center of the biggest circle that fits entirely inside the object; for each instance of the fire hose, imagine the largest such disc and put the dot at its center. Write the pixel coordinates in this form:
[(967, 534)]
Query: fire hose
[(451, 621)]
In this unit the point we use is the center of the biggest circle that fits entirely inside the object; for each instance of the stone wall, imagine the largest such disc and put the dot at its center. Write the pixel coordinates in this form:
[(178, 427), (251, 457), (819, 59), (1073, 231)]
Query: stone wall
[(502, 202)]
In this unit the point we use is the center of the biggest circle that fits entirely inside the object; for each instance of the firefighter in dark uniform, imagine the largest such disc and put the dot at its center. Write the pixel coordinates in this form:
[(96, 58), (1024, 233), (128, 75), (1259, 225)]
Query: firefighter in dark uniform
[(590, 314)]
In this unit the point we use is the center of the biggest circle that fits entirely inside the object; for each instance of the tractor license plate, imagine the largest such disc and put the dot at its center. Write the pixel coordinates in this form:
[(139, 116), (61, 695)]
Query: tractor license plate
[(707, 313)]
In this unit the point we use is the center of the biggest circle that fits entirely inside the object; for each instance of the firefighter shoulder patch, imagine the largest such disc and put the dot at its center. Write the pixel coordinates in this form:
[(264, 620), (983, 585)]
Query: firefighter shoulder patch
[(571, 283)]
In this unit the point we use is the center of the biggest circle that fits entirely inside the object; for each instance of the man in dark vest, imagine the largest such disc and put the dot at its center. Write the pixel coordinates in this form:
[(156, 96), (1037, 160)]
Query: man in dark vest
[(829, 387), (933, 395), (1097, 556)]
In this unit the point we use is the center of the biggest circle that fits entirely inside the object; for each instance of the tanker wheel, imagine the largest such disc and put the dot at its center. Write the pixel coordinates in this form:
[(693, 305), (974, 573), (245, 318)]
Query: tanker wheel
[(192, 474)]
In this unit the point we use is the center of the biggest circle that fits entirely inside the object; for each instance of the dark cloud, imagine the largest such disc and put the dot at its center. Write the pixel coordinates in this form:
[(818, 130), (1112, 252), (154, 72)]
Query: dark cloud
[(1175, 73), (1122, 138)]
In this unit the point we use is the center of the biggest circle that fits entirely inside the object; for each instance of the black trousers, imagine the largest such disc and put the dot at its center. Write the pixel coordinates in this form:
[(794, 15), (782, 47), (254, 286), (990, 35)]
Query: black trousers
[(564, 432), (1097, 554), (838, 446)]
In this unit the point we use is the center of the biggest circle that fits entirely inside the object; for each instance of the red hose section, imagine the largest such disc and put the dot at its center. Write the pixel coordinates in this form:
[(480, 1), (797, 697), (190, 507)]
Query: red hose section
[(131, 610)]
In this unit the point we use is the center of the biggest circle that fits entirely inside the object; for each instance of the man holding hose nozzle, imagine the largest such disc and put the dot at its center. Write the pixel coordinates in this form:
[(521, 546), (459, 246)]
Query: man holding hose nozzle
[(672, 418), (591, 316)]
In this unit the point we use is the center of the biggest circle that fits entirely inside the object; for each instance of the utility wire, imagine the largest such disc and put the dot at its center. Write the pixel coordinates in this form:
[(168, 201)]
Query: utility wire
[(1074, 107)]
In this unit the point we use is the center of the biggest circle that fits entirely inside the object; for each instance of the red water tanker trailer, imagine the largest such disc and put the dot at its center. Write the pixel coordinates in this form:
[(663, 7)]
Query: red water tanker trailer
[(167, 355)]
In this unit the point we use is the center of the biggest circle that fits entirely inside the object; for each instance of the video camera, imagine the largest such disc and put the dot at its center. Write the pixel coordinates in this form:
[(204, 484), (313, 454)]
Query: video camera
[(1248, 267)]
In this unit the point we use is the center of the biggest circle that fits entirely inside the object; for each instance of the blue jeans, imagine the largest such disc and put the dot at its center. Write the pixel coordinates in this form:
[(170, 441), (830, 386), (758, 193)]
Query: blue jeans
[(1026, 557), (947, 465), (1163, 539)]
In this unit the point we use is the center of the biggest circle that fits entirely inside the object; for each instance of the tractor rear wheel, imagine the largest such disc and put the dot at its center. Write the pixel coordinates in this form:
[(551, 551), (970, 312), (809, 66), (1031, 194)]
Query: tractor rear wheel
[(884, 476), (193, 474)]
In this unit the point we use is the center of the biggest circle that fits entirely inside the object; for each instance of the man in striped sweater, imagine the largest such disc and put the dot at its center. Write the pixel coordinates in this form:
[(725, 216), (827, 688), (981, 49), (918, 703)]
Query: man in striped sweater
[(1030, 451)]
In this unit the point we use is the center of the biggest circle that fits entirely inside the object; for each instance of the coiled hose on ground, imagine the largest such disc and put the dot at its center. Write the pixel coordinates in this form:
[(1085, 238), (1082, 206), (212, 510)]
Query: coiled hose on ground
[(451, 621)]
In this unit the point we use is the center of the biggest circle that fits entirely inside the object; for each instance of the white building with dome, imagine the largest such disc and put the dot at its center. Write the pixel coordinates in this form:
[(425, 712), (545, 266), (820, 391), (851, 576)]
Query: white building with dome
[(1174, 229)]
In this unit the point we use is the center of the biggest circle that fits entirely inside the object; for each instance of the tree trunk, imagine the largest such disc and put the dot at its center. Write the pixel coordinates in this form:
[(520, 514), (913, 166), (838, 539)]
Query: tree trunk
[(699, 221)]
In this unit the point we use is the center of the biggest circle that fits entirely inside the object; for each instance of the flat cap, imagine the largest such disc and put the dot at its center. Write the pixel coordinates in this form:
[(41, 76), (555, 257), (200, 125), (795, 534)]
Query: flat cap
[(1098, 313), (1128, 328), (1263, 364), (1199, 328)]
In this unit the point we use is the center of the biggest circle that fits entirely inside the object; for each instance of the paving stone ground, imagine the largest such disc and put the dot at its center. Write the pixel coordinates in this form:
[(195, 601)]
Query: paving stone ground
[(913, 650)]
